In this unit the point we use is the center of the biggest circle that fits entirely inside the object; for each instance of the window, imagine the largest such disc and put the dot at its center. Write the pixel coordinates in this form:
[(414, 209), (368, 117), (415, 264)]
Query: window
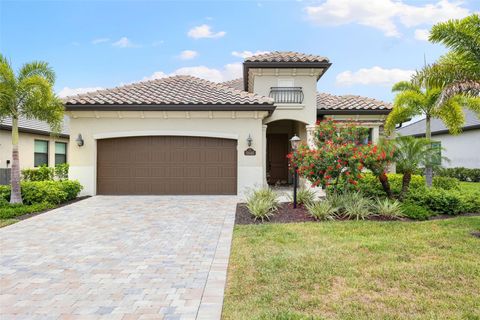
[(40, 153), (368, 138), (60, 153), (437, 153)]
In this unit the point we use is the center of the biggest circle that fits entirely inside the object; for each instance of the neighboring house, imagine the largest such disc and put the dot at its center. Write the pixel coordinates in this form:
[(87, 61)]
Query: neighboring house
[(36, 144), (184, 135), (463, 150)]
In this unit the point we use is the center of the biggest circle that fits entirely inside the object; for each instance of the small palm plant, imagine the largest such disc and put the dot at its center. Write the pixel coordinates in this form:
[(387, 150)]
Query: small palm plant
[(410, 154), (27, 94)]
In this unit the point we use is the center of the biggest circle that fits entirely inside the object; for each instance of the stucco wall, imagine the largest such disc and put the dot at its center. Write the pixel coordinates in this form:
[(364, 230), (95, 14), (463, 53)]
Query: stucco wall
[(26, 148), (97, 125), (462, 150), (305, 112)]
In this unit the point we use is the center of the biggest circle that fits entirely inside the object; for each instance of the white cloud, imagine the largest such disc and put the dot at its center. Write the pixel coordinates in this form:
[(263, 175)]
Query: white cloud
[(228, 72), (422, 34), (204, 31), (124, 42), (188, 54), (65, 92), (245, 54), (373, 76), (384, 15), (100, 40)]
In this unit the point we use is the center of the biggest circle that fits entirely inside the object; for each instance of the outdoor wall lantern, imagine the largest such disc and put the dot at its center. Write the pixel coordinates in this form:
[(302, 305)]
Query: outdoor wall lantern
[(295, 142), (79, 140), (249, 140)]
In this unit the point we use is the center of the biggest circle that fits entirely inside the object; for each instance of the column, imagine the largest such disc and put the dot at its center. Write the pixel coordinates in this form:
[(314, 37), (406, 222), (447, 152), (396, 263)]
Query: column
[(264, 153)]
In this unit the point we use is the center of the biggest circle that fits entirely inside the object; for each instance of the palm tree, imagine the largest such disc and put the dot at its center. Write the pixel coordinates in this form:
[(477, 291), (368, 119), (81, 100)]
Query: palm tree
[(458, 71), (27, 94), (410, 154), (412, 100)]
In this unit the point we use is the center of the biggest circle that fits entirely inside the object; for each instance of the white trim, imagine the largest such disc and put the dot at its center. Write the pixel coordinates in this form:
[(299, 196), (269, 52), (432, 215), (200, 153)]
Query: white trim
[(289, 106), (121, 134)]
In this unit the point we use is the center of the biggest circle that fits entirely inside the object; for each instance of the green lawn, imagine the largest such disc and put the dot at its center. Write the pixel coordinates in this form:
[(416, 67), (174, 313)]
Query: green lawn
[(470, 186), (355, 270)]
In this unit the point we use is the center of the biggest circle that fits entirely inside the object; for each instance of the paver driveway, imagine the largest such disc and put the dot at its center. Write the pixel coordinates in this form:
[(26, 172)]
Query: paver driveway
[(152, 257)]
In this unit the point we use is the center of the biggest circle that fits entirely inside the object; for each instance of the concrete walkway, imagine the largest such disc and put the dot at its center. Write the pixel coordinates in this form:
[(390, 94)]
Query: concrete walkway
[(147, 257)]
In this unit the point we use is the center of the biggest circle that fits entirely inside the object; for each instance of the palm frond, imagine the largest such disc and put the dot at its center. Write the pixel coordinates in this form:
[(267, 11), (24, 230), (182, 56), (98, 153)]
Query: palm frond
[(404, 86), (451, 114), (398, 115), (37, 68)]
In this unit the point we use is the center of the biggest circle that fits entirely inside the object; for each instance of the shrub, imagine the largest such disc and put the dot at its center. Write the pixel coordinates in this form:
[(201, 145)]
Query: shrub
[(262, 203), (10, 211), (388, 208), (71, 188), (469, 201), (414, 211), (5, 192), (356, 206), (53, 192), (370, 186), (42, 173), (61, 171), (446, 183), (322, 210), (304, 196), (461, 173), (437, 200)]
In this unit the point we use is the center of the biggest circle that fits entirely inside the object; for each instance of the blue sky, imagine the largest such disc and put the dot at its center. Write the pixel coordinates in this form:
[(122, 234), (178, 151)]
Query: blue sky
[(100, 44)]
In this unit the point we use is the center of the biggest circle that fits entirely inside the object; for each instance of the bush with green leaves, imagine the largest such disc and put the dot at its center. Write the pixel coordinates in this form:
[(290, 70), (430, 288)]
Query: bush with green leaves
[(53, 192), (438, 201), (469, 201), (61, 171), (461, 173), (42, 173), (305, 196), (370, 186), (322, 210), (387, 208), (446, 183), (416, 212), (9, 211), (262, 203)]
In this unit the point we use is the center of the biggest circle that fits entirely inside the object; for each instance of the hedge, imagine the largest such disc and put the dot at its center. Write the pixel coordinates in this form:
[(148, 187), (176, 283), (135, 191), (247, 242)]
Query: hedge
[(370, 186), (52, 192), (461, 173)]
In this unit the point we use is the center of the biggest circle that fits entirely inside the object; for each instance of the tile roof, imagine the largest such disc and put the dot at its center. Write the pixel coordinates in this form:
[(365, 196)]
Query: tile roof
[(326, 101), (418, 128), (235, 84), (286, 56), (32, 125), (176, 90)]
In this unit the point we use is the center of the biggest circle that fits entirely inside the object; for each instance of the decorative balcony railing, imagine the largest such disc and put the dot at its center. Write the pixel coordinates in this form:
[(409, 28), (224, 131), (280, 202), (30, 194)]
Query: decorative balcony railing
[(287, 94)]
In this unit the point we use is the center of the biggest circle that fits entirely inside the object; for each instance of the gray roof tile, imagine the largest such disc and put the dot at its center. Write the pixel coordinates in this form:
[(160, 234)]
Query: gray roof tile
[(286, 56), (176, 90), (35, 125), (326, 101)]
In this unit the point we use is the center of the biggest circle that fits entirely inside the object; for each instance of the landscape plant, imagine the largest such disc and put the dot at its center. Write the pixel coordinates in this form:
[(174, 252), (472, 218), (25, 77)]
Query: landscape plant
[(388, 208), (446, 183), (355, 206), (322, 210), (27, 94), (305, 196), (262, 203)]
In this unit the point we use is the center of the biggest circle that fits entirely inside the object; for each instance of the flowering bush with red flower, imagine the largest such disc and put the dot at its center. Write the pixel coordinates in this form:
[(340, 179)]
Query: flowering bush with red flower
[(339, 156)]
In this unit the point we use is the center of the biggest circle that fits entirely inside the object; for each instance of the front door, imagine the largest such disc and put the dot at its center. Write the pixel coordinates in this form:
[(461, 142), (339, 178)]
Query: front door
[(277, 150)]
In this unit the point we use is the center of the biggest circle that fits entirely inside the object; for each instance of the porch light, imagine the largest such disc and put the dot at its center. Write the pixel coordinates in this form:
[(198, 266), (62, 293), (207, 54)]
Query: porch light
[(79, 140), (249, 140), (295, 142)]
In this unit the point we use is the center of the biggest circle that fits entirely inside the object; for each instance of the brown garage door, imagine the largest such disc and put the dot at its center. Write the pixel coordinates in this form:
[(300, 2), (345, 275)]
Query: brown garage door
[(166, 165)]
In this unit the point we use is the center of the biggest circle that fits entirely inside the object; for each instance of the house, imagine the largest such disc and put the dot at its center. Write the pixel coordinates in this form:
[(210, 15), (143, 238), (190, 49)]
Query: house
[(185, 135), (37, 146), (462, 150)]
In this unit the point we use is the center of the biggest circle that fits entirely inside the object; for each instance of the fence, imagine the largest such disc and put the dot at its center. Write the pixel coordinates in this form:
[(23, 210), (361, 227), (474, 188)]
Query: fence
[(5, 175)]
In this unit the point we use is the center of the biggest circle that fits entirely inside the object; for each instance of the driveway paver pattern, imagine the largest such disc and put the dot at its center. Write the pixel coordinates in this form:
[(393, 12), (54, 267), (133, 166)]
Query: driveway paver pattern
[(142, 257)]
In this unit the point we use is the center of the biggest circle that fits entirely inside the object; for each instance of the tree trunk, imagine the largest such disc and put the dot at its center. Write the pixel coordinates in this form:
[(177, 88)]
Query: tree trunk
[(428, 167), (407, 177), (385, 184), (15, 195)]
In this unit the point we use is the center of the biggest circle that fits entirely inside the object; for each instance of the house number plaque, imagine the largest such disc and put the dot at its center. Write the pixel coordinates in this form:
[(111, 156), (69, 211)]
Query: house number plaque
[(250, 152)]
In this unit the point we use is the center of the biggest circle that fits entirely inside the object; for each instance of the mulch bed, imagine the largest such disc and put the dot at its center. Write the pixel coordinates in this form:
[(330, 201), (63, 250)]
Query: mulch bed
[(30, 215), (475, 234), (287, 214)]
